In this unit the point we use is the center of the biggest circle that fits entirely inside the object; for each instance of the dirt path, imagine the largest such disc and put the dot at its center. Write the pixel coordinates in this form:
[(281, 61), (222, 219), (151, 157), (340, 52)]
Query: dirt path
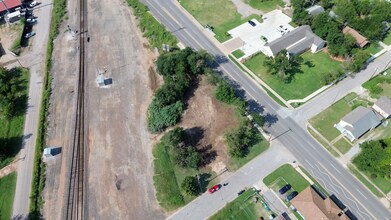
[(244, 9), (9, 169)]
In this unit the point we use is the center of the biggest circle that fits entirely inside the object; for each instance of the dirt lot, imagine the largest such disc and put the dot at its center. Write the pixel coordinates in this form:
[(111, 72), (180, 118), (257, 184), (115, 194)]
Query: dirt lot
[(120, 159), (210, 119)]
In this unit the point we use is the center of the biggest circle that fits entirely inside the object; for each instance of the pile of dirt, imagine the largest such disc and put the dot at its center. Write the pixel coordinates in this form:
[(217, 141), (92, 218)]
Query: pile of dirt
[(207, 120)]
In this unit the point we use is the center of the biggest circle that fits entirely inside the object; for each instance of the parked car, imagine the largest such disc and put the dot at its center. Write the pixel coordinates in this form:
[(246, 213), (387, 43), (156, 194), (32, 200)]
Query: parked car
[(214, 188), (31, 20), (28, 35), (292, 195), (241, 192), (251, 23), (33, 4), (285, 189)]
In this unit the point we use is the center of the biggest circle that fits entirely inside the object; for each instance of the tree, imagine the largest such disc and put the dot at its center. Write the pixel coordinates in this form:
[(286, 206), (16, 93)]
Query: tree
[(359, 60), (260, 120), (161, 118), (225, 93), (8, 91), (239, 140), (189, 186), (375, 158), (193, 158), (174, 137), (282, 65)]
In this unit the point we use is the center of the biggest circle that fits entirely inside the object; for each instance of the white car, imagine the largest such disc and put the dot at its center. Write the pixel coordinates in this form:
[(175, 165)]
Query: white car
[(28, 35), (31, 21), (33, 4)]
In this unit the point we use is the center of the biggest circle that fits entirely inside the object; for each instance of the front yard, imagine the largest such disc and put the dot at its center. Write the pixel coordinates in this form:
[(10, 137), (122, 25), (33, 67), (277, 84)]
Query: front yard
[(265, 6), (222, 15), (289, 175), (305, 82), (379, 85), (324, 121)]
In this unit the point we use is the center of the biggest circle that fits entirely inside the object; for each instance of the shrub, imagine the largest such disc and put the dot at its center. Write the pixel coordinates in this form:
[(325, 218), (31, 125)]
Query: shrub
[(225, 93), (161, 118), (189, 186)]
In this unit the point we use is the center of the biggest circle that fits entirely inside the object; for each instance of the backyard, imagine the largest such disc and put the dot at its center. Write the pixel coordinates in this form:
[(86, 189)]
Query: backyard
[(244, 207), (265, 6), (222, 15), (305, 82), (7, 189)]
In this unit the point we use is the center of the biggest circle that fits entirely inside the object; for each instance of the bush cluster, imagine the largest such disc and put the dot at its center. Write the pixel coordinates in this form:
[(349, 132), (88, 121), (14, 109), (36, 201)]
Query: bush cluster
[(179, 70)]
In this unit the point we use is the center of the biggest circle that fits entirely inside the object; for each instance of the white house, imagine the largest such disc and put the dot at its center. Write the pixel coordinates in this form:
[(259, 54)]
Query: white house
[(383, 106), (358, 122)]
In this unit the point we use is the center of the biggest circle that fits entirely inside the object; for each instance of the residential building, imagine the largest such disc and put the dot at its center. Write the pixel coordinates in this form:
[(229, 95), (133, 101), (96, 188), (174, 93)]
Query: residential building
[(383, 106), (361, 41), (295, 42), (358, 122), (313, 207)]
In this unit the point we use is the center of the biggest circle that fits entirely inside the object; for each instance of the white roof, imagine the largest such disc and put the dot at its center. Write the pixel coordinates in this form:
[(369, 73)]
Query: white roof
[(13, 14)]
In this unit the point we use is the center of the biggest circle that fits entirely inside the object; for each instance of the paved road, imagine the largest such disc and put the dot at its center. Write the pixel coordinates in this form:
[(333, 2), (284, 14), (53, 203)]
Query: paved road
[(34, 60), (251, 173), (328, 171)]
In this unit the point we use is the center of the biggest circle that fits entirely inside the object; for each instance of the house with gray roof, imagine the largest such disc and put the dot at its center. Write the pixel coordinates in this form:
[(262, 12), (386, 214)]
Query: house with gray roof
[(295, 42), (383, 106), (358, 122)]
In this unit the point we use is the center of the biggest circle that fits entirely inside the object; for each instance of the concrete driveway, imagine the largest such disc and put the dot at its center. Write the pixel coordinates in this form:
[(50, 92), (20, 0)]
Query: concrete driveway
[(274, 25)]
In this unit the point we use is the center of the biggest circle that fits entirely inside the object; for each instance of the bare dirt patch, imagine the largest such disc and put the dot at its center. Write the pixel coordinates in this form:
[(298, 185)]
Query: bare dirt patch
[(209, 119)]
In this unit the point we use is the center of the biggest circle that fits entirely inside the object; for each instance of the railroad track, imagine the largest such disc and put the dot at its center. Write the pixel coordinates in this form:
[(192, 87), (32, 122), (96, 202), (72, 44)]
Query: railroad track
[(76, 201)]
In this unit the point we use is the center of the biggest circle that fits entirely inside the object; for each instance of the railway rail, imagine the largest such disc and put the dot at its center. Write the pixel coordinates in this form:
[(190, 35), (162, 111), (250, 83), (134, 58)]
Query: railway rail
[(76, 201)]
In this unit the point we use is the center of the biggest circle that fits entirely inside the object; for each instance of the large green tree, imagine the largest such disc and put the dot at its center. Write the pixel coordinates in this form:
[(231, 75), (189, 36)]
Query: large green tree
[(283, 65), (189, 186)]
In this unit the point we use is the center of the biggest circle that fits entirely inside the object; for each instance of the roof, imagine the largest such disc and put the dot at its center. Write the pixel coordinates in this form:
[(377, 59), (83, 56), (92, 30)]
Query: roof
[(295, 41), (10, 4), (315, 10), (362, 119), (384, 103), (313, 207), (360, 40)]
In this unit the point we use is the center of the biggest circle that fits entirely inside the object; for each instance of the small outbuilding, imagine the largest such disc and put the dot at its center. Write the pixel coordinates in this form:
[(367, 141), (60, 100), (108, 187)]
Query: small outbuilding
[(383, 106), (361, 41), (358, 122), (315, 10)]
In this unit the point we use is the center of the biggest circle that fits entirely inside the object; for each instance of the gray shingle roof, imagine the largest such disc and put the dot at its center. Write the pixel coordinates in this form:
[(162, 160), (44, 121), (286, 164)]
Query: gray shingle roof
[(362, 119), (296, 41), (385, 104)]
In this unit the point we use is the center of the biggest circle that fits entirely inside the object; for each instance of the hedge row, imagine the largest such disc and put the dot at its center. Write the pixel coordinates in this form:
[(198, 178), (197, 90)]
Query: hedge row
[(38, 183)]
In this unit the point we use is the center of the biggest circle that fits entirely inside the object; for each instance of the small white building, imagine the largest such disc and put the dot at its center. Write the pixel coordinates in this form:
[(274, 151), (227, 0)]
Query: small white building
[(315, 10), (383, 106)]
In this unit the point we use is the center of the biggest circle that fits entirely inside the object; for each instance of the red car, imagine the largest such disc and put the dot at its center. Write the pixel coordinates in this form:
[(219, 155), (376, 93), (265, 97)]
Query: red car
[(214, 188)]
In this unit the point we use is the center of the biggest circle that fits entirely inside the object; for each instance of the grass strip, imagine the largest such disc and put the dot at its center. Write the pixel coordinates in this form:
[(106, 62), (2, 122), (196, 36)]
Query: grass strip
[(238, 53), (364, 181), (323, 143), (38, 183), (155, 32), (290, 175), (167, 189), (7, 189)]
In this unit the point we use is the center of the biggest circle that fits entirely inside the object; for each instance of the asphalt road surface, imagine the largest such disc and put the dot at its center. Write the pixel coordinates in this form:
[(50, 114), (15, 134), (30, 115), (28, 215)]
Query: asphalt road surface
[(327, 170), (34, 59)]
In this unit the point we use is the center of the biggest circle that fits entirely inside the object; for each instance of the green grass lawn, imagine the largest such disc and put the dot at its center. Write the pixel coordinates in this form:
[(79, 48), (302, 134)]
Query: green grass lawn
[(343, 145), (243, 208), (238, 53), (323, 143), (382, 81), (290, 175), (7, 192), (220, 14), (11, 131), (364, 181), (235, 163), (383, 183), (374, 48), (265, 6), (324, 121), (387, 40), (304, 83)]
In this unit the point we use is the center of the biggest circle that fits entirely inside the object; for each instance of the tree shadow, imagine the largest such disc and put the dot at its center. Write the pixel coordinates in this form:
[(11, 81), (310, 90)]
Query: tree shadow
[(309, 64), (208, 155), (9, 147), (194, 135), (270, 119), (254, 106), (204, 179)]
